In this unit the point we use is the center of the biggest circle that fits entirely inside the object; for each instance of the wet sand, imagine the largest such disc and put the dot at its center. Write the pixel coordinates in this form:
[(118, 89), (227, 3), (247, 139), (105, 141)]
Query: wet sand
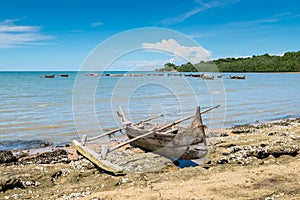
[(244, 162)]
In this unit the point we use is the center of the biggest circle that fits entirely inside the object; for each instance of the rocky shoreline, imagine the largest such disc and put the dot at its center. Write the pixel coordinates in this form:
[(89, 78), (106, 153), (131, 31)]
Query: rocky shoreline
[(244, 162)]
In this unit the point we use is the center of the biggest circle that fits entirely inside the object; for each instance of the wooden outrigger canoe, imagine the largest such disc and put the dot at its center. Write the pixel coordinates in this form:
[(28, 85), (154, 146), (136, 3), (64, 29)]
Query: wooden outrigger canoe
[(49, 76), (173, 141), (169, 140), (237, 77), (207, 77)]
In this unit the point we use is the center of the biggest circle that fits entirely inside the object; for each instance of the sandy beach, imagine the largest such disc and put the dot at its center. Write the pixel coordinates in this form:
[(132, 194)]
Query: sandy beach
[(244, 162)]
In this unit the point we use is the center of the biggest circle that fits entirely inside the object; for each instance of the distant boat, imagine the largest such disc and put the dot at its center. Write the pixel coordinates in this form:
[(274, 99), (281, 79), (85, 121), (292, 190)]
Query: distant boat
[(134, 75), (176, 74), (207, 77), (64, 75), (92, 74), (157, 75), (49, 76), (238, 77), (219, 76), (112, 75), (197, 75)]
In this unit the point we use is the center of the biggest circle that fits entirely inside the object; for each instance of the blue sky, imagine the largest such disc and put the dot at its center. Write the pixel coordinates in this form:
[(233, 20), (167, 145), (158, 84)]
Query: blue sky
[(59, 34)]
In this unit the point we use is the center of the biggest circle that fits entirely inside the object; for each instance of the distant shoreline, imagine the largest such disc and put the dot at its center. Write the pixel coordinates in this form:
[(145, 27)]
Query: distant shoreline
[(285, 72), (147, 72)]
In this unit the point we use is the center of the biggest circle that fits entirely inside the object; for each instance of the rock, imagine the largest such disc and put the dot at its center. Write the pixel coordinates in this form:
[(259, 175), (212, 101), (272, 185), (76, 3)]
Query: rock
[(246, 128), (271, 133), (46, 144), (223, 160), (62, 172), (11, 184), (7, 157), (30, 183), (22, 155), (283, 123), (270, 160), (139, 162), (283, 147), (52, 157), (81, 164), (226, 152), (216, 134), (246, 154)]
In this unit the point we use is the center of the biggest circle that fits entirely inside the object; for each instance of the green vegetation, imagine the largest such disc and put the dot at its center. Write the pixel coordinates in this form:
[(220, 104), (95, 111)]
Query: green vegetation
[(289, 62), (187, 67), (168, 67)]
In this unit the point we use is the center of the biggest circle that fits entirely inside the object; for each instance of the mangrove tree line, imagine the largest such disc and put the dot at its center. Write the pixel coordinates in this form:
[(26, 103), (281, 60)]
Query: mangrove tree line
[(289, 62)]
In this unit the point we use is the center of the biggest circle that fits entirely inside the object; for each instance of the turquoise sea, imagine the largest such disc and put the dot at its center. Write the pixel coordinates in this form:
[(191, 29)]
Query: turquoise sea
[(34, 109)]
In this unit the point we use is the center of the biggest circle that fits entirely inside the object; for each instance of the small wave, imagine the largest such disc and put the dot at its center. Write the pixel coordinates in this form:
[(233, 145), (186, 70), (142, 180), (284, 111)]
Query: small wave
[(43, 105), (216, 92), (18, 96), (7, 111)]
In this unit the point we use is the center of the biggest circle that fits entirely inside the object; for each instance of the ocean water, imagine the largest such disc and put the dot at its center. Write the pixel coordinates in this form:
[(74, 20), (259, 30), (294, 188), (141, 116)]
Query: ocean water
[(35, 110)]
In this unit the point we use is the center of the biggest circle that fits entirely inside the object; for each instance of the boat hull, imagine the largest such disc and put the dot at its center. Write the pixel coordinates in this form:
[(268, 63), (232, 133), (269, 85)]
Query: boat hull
[(173, 146)]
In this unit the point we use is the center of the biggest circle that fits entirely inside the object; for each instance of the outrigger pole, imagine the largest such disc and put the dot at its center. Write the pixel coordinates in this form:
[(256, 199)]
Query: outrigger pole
[(120, 129)]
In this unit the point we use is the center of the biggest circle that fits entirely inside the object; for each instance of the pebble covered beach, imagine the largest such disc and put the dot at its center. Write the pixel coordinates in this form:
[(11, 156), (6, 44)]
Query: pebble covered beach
[(244, 162)]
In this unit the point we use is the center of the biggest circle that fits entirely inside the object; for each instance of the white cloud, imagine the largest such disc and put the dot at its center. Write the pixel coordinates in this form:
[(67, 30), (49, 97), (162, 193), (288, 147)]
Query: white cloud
[(193, 54), (201, 5), (12, 35), (273, 19), (14, 28), (95, 24), (201, 34)]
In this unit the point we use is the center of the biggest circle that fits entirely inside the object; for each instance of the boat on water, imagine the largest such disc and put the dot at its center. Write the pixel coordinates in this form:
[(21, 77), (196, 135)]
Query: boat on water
[(92, 74), (207, 77), (238, 77), (197, 75), (64, 75), (119, 75), (172, 141), (49, 76)]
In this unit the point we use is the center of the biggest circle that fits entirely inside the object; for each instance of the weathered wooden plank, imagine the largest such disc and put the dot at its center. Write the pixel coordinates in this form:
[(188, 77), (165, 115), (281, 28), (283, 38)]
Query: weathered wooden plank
[(83, 140), (95, 158)]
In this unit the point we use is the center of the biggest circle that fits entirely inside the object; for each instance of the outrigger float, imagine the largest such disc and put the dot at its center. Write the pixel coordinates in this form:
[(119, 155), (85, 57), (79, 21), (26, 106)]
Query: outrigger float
[(172, 141)]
